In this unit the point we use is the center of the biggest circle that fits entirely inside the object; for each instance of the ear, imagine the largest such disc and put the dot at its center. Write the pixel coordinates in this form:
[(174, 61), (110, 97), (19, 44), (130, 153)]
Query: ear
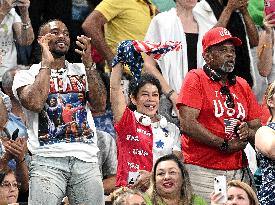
[(133, 99), (207, 57), (270, 103)]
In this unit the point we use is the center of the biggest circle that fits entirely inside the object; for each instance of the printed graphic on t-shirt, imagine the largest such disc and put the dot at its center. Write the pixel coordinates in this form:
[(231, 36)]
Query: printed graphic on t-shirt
[(64, 118), (230, 126)]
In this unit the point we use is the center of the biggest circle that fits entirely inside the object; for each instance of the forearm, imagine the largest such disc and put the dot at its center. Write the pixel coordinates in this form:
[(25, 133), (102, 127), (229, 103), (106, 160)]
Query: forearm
[(265, 53), (224, 18), (97, 91), (117, 98), (26, 36), (199, 133), (5, 7), (251, 30), (109, 184), (93, 26), (252, 129), (22, 174), (3, 114), (34, 96)]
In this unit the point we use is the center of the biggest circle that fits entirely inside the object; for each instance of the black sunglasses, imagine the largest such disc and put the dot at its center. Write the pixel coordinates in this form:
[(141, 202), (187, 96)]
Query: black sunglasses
[(229, 98)]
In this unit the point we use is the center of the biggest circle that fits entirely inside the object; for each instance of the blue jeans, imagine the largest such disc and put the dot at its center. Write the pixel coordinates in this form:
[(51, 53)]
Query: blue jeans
[(52, 178)]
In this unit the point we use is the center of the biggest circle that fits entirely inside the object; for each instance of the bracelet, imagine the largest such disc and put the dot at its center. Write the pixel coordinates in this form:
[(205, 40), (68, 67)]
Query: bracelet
[(91, 67), (168, 95), (45, 67), (267, 46), (26, 25)]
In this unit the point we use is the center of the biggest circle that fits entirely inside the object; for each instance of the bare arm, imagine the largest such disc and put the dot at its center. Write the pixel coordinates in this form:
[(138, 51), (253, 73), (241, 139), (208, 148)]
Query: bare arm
[(190, 125), (251, 30), (5, 7), (93, 26), (3, 114), (265, 48), (34, 96), (23, 31), (109, 184), (265, 141), (117, 98), (97, 90), (150, 67)]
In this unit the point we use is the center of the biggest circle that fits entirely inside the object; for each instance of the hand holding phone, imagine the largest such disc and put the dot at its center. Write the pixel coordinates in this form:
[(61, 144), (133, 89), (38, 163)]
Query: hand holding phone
[(220, 186), (132, 177)]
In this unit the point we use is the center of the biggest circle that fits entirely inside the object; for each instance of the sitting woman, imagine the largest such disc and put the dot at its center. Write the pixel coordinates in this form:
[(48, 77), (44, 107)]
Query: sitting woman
[(171, 184), (238, 192), (9, 187), (265, 146), (142, 135)]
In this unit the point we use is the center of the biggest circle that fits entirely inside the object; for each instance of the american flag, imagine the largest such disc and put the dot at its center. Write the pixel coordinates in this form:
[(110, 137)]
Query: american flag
[(129, 52), (229, 125)]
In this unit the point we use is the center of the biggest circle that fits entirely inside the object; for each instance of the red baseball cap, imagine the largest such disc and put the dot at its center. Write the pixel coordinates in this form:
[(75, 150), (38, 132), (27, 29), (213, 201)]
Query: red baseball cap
[(217, 35)]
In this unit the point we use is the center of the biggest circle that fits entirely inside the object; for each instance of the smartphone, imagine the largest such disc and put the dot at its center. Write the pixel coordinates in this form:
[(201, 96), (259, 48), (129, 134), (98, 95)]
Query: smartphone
[(15, 134), (220, 186), (132, 177), (269, 7)]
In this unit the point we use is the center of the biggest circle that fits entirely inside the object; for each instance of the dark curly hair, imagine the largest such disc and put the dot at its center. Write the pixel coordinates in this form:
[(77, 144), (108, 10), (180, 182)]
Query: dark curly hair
[(135, 86)]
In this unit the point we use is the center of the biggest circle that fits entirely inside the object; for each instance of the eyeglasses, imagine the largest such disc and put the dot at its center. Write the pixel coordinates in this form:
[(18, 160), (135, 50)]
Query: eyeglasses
[(8, 185), (229, 98)]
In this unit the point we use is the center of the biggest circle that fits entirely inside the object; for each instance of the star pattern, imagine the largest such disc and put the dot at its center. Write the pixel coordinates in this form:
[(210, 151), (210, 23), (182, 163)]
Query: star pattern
[(160, 144)]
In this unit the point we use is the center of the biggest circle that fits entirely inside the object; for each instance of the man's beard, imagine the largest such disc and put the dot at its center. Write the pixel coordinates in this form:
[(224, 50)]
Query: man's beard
[(58, 54), (226, 69)]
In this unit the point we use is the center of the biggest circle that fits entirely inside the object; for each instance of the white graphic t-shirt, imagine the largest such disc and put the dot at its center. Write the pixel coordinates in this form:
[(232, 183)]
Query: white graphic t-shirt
[(65, 126), (8, 54)]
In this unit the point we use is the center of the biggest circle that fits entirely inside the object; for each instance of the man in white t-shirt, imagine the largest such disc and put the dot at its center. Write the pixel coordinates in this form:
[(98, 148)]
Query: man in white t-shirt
[(62, 137)]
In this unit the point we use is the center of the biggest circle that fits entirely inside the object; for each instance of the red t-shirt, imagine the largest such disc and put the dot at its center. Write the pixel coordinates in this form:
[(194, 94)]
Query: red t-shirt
[(200, 92), (134, 147)]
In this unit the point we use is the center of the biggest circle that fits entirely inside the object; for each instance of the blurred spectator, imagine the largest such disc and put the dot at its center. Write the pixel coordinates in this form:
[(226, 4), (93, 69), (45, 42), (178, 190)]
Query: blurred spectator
[(238, 193), (126, 196), (142, 135), (187, 27), (171, 184), (13, 145), (13, 28), (107, 160), (233, 15), (256, 11), (219, 115), (266, 57), (62, 142), (164, 5), (9, 187), (265, 146)]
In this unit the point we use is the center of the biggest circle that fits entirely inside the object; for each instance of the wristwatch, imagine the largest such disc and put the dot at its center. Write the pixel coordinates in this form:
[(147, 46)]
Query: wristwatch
[(224, 146)]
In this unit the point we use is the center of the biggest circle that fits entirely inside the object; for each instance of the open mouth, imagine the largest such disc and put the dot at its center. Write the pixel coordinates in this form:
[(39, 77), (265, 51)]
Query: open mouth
[(150, 107), (61, 44), (168, 185)]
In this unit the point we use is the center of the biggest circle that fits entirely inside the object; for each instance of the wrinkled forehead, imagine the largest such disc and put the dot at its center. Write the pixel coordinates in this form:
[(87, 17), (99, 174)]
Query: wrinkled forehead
[(54, 25)]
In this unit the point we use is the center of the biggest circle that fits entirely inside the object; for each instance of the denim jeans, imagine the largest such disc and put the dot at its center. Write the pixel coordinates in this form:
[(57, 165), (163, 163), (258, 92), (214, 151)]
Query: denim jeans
[(52, 178)]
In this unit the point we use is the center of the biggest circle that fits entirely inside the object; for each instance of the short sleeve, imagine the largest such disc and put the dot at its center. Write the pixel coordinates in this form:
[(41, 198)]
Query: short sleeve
[(110, 8), (191, 91), (16, 17), (24, 77)]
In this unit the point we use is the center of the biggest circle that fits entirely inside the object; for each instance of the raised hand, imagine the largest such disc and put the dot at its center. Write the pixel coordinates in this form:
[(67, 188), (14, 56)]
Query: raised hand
[(47, 57), (84, 44), (23, 5)]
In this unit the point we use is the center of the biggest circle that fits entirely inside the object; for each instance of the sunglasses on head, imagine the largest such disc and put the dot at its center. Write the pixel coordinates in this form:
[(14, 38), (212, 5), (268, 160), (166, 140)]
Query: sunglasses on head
[(229, 98)]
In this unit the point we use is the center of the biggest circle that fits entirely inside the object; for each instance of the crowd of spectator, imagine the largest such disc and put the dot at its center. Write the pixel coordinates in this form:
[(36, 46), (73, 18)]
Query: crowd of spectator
[(134, 102)]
